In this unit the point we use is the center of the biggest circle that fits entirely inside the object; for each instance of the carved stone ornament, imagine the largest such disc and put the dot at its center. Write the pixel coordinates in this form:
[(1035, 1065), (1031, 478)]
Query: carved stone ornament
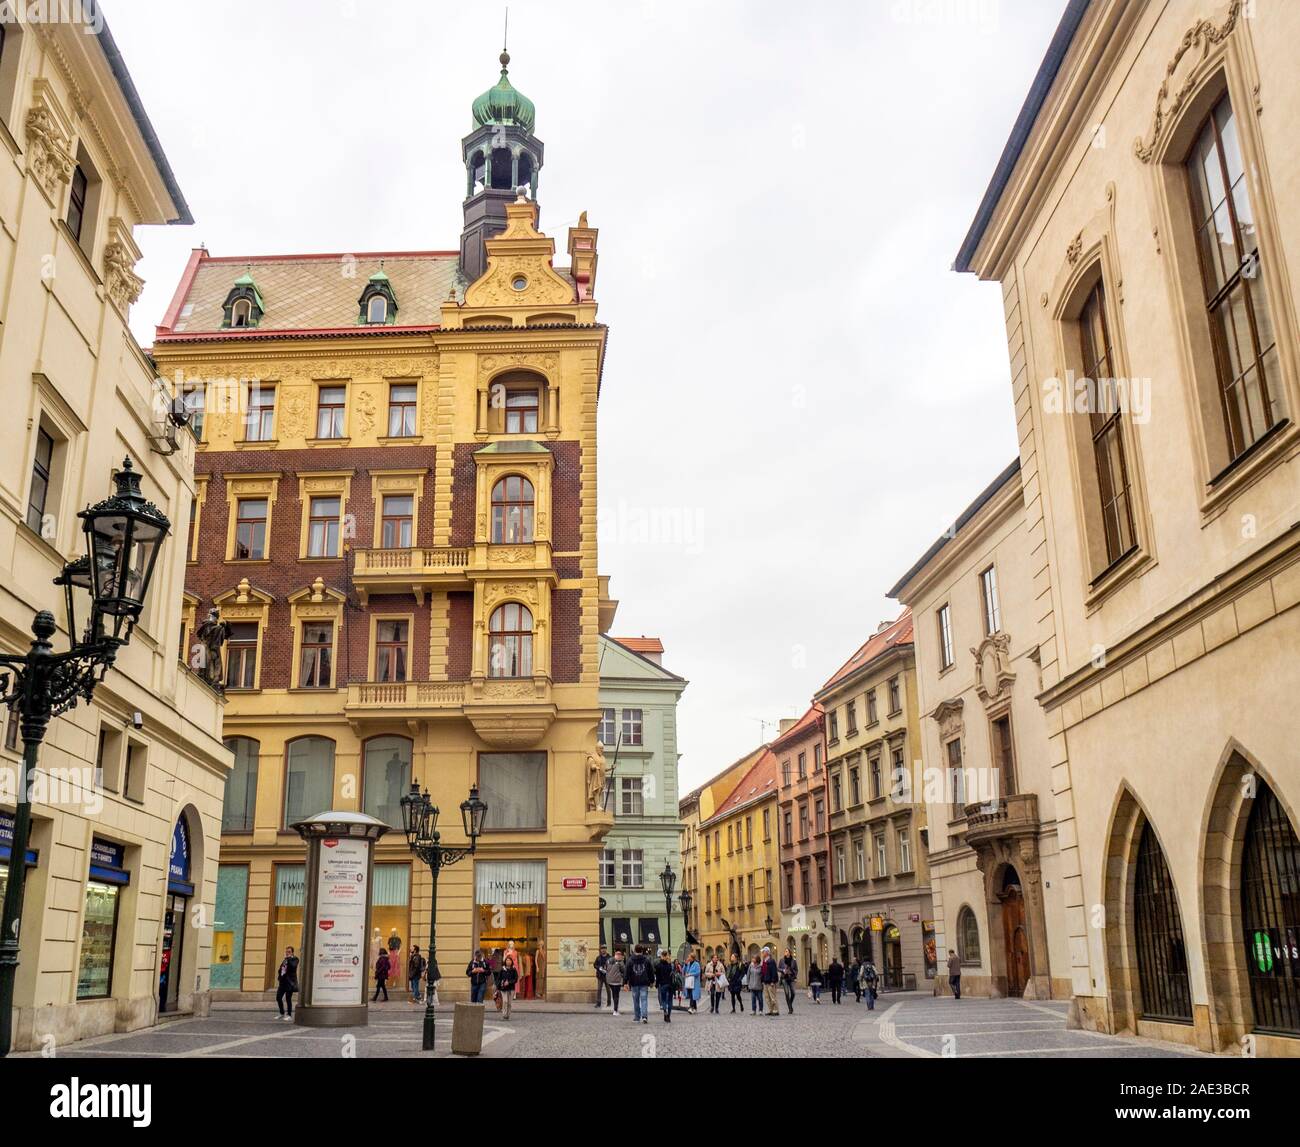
[(993, 673), (1192, 53), (49, 157), (293, 417), (595, 777), (1074, 250), (948, 716), (365, 407), (120, 280)]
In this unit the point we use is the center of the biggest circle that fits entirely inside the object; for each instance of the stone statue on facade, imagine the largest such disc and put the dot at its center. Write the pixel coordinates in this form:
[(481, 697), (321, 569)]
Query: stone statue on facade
[(595, 778), (212, 635)]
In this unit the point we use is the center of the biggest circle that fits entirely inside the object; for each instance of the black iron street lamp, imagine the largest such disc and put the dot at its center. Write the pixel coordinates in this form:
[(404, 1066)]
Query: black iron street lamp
[(420, 823), (685, 899), (124, 534), (668, 881)]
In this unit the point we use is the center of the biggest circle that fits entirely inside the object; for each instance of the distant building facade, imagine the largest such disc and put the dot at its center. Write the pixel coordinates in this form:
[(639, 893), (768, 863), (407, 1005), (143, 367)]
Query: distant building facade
[(803, 831)]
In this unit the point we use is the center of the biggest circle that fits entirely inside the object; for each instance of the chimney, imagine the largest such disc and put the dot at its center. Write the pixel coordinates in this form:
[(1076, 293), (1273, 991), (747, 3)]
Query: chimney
[(786, 724)]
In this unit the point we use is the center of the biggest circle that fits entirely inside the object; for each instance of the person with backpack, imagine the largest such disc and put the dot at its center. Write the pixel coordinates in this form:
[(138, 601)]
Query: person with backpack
[(715, 975), (789, 973), (383, 969), (507, 979), (666, 978), (835, 979), (736, 983), (869, 983), (615, 973), (415, 965), (286, 983), (815, 982), (640, 975), (478, 972), (600, 964), (854, 978)]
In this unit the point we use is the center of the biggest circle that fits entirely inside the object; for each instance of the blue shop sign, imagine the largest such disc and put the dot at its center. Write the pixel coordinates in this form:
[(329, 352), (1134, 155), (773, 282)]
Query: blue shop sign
[(7, 841), (107, 862), (178, 867)]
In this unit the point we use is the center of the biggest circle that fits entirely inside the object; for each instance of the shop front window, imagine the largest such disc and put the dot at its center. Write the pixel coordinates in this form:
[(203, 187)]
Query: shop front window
[(511, 901), (98, 939), (286, 917), (387, 778)]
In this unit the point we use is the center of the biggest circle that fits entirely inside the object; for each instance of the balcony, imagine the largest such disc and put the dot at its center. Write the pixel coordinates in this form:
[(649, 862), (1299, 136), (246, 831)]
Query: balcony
[(404, 700), (511, 713), (417, 570), (1001, 819)]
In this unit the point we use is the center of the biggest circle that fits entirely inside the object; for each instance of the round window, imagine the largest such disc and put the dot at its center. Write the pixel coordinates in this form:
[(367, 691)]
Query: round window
[(519, 283)]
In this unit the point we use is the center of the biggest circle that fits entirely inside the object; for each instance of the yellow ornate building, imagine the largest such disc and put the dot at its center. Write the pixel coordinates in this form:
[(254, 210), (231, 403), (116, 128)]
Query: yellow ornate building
[(396, 514)]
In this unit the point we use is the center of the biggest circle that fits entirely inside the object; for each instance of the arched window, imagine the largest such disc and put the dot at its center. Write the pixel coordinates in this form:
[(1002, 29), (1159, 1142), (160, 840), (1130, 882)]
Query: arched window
[(241, 313), (968, 937), (387, 778), (241, 786), (308, 779), (377, 309), (512, 510), (1270, 914), (1158, 935), (510, 641)]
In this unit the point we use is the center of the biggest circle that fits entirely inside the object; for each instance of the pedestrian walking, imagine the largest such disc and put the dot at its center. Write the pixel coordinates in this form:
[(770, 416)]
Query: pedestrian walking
[(602, 990), (286, 983), (692, 986), (835, 979), (754, 982), (789, 972), (615, 974), (478, 972), (640, 975), (770, 978), (666, 977), (815, 982), (870, 983), (853, 976), (383, 969), (715, 975), (954, 973), (736, 983), (507, 979), (415, 965)]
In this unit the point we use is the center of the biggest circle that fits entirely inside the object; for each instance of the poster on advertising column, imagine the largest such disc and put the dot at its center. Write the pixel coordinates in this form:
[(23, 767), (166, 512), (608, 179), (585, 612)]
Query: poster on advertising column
[(339, 958)]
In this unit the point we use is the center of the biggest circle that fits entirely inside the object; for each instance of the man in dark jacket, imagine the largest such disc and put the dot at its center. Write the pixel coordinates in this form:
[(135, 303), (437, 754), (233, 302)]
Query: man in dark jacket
[(664, 973), (601, 990), (640, 975), (478, 972), (789, 973), (286, 984), (383, 968), (770, 977), (414, 970)]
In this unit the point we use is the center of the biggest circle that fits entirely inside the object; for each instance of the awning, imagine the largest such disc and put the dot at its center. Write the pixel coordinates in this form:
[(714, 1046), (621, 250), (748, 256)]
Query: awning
[(649, 930), (622, 930)]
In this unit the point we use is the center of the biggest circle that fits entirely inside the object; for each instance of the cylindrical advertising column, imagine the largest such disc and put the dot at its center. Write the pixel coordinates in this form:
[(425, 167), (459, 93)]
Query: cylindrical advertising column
[(335, 963)]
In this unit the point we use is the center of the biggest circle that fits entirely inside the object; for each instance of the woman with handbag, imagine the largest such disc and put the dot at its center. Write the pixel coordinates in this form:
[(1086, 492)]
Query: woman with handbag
[(715, 975), (692, 987), (507, 979)]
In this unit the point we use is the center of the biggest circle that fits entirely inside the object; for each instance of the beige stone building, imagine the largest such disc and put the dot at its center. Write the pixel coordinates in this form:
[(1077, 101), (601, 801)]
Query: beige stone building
[(1143, 225), (877, 891), (994, 853), (121, 867)]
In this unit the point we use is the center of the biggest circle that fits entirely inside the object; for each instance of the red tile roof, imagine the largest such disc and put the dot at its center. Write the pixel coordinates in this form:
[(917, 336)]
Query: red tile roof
[(759, 782), (641, 644), (897, 632)]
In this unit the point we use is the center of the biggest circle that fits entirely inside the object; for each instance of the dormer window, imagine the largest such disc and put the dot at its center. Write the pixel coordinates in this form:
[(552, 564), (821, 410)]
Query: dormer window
[(378, 303), (243, 306)]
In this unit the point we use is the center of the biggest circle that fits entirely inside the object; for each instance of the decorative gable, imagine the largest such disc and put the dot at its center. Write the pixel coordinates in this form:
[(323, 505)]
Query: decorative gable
[(519, 271), (243, 306), (378, 287)]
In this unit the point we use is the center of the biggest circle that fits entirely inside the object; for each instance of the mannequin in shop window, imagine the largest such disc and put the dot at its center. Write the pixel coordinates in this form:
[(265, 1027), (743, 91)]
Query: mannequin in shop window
[(525, 976)]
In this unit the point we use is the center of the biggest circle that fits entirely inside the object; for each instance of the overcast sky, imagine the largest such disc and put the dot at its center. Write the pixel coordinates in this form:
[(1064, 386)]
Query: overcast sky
[(799, 394)]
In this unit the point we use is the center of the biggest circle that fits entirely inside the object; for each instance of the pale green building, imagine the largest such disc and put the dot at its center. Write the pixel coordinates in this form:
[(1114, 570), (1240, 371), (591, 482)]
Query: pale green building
[(638, 730)]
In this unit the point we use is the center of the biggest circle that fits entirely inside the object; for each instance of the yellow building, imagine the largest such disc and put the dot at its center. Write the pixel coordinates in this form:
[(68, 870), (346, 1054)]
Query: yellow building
[(396, 514), (738, 863), (126, 806)]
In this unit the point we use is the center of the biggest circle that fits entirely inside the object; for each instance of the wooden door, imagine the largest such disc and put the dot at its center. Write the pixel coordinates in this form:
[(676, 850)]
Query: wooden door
[(1016, 940)]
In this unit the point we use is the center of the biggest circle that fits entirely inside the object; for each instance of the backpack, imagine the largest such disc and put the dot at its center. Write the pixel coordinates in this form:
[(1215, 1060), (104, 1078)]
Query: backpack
[(678, 982)]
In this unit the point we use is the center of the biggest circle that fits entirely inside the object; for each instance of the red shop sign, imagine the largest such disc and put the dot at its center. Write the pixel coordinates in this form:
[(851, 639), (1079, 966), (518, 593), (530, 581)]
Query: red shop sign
[(575, 882)]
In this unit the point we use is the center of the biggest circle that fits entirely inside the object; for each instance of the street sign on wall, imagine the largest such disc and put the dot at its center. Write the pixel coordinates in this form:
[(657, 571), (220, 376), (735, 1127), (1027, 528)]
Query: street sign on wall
[(575, 882)]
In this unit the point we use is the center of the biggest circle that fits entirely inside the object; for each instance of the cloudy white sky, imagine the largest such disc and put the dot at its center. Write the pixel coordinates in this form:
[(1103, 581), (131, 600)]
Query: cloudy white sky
[(799, 393)]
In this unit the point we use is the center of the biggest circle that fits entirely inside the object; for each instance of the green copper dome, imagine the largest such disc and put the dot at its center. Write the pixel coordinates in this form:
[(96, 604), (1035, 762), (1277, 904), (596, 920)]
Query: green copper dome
[(503, 104)]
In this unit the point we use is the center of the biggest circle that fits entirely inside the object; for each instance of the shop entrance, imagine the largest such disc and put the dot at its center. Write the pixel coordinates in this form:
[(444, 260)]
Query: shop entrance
[(1015, 938), (173, 944), (503, 928), (892, 945)]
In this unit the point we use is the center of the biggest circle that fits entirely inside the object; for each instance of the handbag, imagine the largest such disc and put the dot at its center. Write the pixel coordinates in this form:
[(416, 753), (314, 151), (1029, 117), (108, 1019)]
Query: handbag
[(496, 998)]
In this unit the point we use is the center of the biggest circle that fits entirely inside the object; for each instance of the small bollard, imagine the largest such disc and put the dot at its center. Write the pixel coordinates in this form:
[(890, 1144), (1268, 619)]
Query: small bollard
[(467, 1029)]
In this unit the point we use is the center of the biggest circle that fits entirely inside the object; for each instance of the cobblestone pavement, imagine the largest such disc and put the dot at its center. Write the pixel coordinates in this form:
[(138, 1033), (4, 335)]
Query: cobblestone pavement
[(929, 1026), (902, 1026)]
